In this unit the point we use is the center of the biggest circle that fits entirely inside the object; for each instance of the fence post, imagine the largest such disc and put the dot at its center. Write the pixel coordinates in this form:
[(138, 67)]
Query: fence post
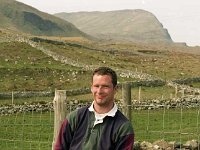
[(12, 97), (126, 96), (60, 111), (176, 91), (139, 94)]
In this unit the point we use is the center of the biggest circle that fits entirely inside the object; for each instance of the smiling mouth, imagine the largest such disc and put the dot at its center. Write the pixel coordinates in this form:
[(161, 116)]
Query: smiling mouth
[(100, 97)]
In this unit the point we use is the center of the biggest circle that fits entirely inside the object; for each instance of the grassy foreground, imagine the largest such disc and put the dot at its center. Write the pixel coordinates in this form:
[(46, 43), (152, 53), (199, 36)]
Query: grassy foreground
[(26, 131), (35, 130), (171, 125)]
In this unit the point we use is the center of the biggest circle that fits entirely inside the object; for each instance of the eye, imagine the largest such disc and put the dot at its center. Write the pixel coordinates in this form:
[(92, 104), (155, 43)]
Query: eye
[(96, 86), (105, 86)]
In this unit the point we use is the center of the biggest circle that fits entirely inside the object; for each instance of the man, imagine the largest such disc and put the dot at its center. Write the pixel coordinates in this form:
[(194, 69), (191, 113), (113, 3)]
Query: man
[(101, 126)]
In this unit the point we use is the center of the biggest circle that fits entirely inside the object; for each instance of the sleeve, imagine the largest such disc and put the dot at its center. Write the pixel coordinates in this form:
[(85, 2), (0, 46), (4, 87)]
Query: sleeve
[(125, 140), (66, 132)]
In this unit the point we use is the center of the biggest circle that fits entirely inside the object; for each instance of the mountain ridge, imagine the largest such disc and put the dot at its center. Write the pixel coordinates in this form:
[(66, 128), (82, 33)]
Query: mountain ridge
[(24, 18), (122, 25)]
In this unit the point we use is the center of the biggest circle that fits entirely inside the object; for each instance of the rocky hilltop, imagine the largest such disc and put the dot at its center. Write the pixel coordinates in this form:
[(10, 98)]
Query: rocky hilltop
[(17, 16), (121, 25)]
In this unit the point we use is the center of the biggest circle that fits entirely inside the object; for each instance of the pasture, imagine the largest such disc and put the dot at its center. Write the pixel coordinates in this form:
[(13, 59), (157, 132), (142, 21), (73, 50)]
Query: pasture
[(49, 64), (34, 130)]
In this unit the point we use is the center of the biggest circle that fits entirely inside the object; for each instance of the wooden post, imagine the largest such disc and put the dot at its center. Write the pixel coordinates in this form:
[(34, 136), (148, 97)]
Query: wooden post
[(12, 97), (176, 91), (126, 96), (139, 94), (60, 111)]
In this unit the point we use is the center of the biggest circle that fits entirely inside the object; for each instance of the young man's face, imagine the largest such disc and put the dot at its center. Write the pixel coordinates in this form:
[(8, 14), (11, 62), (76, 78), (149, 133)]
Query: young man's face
[(103, 90)]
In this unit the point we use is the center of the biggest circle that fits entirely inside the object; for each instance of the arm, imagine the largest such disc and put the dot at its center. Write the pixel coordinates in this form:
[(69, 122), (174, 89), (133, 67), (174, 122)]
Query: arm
[(125, 140), (61, 142), (66, 132)]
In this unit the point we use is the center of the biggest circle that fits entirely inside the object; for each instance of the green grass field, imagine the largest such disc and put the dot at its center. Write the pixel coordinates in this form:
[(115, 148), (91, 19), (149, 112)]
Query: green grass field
[(35, 130), (170, 125), (26, 131), (25, 68)]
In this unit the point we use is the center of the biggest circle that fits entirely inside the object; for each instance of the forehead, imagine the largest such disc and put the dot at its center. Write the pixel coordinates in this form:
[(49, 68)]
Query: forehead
[(102, 78)]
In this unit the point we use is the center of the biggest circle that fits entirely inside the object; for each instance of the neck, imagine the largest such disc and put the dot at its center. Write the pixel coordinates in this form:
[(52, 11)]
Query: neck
[(102, 109)]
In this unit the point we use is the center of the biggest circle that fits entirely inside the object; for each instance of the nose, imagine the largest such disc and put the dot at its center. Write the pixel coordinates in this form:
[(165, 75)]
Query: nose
[(99, 90)]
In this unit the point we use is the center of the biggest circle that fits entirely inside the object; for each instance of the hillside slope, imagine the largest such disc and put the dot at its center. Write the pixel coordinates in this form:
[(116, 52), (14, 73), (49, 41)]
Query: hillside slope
[(20, 17), (37, 64), (122, 25)]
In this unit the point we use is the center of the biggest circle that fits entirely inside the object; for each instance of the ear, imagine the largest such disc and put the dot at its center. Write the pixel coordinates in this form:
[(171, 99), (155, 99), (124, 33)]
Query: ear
[(91, 88)]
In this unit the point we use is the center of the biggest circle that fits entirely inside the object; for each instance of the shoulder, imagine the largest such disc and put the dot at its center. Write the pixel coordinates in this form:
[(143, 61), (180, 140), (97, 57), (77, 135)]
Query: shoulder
[(76, 115), (82, 109), (77, 112), (120, 117), (125, 125)]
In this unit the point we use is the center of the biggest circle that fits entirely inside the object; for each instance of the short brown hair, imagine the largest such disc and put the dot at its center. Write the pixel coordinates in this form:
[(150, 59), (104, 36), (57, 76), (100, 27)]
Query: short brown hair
[(107, 71)]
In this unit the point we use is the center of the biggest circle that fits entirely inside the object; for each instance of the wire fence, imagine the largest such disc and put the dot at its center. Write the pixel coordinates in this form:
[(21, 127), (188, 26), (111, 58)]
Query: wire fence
[(26, 130), (180, 124), (32, 128)]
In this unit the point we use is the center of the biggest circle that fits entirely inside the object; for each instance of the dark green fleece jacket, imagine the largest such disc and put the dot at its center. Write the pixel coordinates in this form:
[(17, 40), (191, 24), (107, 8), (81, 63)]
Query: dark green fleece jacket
[(79, 133)]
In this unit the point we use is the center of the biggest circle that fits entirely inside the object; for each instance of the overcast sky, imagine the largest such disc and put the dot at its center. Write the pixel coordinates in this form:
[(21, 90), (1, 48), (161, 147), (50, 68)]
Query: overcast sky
[(180, 17)]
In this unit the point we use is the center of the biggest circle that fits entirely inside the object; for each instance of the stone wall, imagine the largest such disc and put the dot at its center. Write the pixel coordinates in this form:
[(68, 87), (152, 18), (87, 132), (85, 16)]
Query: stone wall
[(184, 102), (163, 145), (28, 94), (188, 80)]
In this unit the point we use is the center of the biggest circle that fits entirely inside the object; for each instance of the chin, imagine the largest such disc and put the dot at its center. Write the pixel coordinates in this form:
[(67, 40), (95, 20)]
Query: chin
[(100, 101)]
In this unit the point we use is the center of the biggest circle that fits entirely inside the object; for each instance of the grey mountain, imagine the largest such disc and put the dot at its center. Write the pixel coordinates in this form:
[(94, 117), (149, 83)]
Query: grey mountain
[(122, 25), (20, 17)]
